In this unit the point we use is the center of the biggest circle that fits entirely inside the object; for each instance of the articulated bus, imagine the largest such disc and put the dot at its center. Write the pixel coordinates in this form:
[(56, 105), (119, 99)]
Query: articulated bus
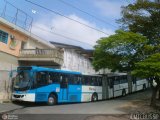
[(139, 84), (115, 85), (118, 85), (38, 84)]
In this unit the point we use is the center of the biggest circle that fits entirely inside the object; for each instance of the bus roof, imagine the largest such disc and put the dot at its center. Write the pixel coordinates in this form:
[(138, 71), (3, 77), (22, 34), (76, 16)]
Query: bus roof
[(94, 75), (117, 74), (36, 68)]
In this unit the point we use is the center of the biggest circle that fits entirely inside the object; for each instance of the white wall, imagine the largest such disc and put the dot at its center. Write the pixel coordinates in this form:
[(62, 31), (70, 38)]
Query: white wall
[(77, 62), (32, 44)]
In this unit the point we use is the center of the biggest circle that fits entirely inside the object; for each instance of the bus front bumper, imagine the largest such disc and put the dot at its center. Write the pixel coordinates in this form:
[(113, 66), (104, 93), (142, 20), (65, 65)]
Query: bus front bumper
[(29, 97)]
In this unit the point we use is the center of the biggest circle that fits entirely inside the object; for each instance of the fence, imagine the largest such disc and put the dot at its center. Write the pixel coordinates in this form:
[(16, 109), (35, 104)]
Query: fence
[(14, 15)]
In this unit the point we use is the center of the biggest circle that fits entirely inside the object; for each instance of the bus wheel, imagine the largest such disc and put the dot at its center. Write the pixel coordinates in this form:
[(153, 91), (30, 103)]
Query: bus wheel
[(94, 98), (52, 100), (124, 92)]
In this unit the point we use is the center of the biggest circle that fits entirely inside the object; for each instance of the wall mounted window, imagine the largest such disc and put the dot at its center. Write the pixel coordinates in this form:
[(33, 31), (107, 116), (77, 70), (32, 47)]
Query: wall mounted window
[(3, 37)]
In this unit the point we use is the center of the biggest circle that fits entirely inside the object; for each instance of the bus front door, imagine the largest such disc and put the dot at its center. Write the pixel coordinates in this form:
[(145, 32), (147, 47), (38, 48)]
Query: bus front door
[(64, 89)]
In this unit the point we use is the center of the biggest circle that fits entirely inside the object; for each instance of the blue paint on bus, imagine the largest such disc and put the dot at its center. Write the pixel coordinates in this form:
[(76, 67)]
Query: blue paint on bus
[(39, 84), (71, 93)]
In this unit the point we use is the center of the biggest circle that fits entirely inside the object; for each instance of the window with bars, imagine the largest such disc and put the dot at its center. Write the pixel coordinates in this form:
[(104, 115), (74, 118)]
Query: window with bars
[(3, 37)]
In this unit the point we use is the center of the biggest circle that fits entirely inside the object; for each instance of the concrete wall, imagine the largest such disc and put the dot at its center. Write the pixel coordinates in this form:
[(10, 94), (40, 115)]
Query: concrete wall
[(33, 44), (77, 62), (7, 62)]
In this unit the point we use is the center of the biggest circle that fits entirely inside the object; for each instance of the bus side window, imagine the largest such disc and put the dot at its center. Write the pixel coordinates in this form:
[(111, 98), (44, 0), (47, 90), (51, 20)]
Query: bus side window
[(49, 79), (137, 79), (71, 79), (94, 79), (83, 80), (64, 80), (87, 80), (134, 80), (41, 78), (79, 80), (123, 79), (96, 83), (54, 77), (111, 81), (76, 80), (100, 81), (117, 80)]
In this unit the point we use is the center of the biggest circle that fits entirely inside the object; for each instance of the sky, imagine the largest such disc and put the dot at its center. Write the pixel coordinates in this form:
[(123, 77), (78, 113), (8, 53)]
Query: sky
[(53, 27)]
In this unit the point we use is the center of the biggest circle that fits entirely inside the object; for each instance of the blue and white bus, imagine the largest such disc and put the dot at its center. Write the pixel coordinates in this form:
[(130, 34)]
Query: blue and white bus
[(139, 84), (119, 84), (39, 84)]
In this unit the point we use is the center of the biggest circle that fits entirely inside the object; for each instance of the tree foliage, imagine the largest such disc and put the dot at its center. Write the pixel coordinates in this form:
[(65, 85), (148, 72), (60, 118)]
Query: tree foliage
[(150, 67), (142, 17), (119, 51), (126, 51)]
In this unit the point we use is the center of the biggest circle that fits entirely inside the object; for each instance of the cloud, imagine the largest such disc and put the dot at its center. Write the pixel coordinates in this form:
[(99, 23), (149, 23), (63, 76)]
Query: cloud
[(109, 8), (79, 34)]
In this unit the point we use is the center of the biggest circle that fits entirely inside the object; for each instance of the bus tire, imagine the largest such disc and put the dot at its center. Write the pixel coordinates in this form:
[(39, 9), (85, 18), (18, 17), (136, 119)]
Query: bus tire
[(52, 100), (123, 92), (94, 97)]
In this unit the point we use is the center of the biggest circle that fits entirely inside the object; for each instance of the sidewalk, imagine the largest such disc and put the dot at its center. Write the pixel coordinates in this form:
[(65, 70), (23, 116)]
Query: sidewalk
[(6, 107)]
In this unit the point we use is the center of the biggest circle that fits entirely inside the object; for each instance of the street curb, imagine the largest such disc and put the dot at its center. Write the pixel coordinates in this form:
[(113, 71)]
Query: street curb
[(5, 101), (8, 111)]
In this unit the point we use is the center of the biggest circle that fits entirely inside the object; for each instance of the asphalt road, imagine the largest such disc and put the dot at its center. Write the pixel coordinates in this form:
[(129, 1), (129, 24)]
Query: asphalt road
[(78, 111)]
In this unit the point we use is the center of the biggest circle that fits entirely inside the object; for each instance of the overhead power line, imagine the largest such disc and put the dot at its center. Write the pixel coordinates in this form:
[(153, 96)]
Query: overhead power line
[(57, 34), (66, 3), (55, 12), (51, 32)]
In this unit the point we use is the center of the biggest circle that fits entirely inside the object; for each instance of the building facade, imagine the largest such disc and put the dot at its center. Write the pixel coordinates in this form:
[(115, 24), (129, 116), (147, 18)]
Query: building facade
[(76, 58), (77, 62), (20, 47), (10, 44)]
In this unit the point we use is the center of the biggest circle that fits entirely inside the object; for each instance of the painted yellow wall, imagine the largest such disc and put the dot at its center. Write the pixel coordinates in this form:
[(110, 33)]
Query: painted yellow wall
[(18, 36)]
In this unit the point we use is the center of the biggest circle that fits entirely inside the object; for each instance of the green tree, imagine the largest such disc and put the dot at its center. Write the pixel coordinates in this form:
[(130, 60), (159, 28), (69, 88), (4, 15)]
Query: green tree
[(143, 17), (119, 51), (122, 50), (150, 68)]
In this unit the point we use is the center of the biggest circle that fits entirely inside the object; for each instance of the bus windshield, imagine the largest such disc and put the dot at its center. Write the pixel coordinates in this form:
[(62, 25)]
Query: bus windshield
[(22, 80)]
